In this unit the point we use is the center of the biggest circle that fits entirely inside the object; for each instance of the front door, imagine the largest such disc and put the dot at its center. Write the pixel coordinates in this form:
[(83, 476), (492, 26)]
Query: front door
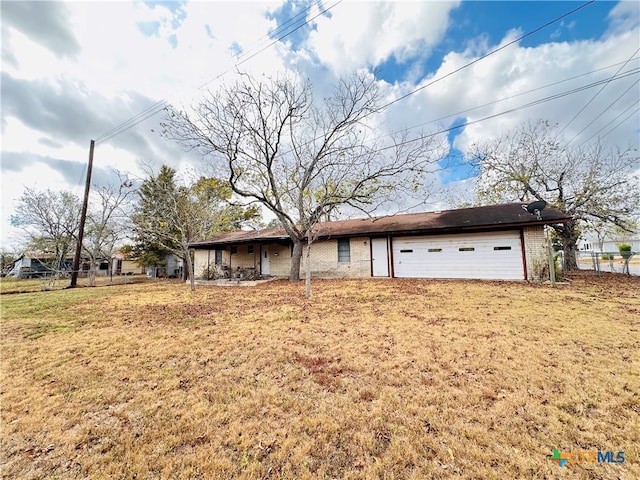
[(379, 257), (265, 264)]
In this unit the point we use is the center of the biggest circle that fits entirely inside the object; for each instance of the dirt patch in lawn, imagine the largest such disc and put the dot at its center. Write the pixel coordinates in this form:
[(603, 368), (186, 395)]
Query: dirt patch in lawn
[(368, 379)]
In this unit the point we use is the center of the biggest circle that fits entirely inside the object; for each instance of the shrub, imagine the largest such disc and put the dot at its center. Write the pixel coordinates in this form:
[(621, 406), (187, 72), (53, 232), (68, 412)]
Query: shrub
[(625, 250), (540, 270), (607, 256), (557, 267)]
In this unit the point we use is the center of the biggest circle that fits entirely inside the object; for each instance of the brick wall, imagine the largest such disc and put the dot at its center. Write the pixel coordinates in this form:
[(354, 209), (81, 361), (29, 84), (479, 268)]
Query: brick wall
[(535, 252), (203, 259), (324, 259)]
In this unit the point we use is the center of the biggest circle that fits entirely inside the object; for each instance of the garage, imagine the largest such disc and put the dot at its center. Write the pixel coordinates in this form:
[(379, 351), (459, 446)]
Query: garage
[(490, 256)]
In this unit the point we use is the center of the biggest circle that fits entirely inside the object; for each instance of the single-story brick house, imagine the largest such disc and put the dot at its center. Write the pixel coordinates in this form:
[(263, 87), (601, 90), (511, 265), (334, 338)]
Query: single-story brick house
[(499, 242)]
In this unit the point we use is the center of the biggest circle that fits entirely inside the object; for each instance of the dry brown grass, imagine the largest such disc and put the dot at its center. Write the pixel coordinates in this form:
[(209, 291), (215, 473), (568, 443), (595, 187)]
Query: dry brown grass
[(17, 285), (390, 379)]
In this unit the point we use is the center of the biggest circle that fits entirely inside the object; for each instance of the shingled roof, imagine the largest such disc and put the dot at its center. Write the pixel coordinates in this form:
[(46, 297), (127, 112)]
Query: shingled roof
[(492, 217)]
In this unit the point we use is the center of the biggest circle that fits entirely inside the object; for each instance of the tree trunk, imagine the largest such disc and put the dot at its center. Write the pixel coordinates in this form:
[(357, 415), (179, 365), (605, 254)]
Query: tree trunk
[(307, 269), (296, 257), (188, 270), (91, 273), (569, 235), (91, 276), (58, 263)]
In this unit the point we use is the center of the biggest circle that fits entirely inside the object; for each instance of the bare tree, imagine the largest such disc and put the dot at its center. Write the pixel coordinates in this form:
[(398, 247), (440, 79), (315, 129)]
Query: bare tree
[(589, 183), (107, 222), (7, 259), (50, 220), (304, 160)]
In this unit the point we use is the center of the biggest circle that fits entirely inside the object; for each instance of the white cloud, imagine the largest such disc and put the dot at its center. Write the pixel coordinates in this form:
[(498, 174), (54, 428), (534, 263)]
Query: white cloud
[(116, 56), (624, 17), (516, 70), (361, 34), (118, 71), (39, 177)]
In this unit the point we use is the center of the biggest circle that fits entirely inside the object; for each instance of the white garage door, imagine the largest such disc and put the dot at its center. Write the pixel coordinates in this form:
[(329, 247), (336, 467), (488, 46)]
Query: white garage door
[(492, 256)]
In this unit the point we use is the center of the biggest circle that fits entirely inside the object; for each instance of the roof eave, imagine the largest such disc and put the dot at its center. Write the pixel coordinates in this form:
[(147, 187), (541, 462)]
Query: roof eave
[(236, 241), (417, 231)]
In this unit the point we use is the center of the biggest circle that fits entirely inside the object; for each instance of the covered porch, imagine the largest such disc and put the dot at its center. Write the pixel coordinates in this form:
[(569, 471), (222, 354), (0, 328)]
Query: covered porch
[(244, 260)]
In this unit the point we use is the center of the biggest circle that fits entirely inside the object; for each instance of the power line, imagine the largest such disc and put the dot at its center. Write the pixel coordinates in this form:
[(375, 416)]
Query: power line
[(453, 115), (322, 12), (490, 53), (511, 110), (161, 104), (275, 41), (594, 97), (141, 117), (551, 22), (616, 118), (280, 28), (617, 76), (155, 108), (605, 110)]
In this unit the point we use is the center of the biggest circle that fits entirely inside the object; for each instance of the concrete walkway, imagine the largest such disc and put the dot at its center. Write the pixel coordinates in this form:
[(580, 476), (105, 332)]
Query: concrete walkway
[(232, 282)]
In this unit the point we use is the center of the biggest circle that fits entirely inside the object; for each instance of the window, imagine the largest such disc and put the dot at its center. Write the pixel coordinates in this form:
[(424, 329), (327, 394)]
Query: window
[(250, 249), (344, 250), (466, 249), (432, 250), (502, 248), (218, 256), (406, 251), (234, 250)]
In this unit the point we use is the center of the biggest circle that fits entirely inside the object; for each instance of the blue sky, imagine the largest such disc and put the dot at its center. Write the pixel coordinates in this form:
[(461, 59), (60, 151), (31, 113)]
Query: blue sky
[(474, 20), (73, 71)]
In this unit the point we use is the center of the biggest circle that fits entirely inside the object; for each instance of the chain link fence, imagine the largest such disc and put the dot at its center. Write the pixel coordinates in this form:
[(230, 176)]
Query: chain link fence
[(47, 281), (609, 262)]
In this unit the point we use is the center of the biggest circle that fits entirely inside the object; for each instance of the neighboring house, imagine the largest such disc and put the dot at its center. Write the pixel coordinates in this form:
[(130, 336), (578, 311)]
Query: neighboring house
[(500, 242), (172, 268), (591, 244), (122, 265), (101, 267), (43, 264), (38, 265)]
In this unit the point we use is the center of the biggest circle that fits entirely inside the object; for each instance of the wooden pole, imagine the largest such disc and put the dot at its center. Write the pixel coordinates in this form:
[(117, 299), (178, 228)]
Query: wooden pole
[(552, 267), (83, 217)]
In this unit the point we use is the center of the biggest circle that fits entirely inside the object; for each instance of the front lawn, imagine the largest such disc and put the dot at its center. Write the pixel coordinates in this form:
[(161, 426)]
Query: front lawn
[(395, 379)]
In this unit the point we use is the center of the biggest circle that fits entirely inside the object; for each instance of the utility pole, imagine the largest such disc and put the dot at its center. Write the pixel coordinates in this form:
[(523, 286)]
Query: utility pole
[(83, 217)]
